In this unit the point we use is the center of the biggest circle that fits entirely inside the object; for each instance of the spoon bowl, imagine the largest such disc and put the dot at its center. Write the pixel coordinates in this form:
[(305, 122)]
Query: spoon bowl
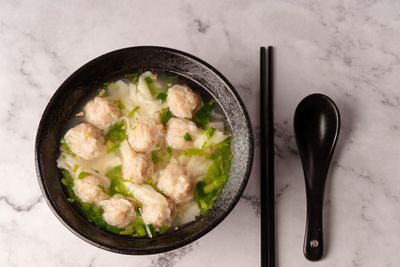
[(316, 128)]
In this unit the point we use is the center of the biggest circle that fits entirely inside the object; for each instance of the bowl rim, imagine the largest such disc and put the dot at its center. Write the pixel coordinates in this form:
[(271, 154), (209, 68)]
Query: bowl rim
[(182, 242)]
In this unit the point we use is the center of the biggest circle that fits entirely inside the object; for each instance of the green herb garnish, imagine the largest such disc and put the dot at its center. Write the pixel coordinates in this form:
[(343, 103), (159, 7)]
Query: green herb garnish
[(132, 112), (75, 168), (111, 146), (115, 135), (112, 86), (169, 151), (120, 105), (208, 190), (164, 228), (155, 157), (203, 116), (196, 152), (117, 185), (150, 84), (150, 231), (149, 181), (139, 228), (165, 115), (187, 137), (102, 93), (126, 232), (101, 188), (65, 147), (162, 96), (209, 132), (83, 175)]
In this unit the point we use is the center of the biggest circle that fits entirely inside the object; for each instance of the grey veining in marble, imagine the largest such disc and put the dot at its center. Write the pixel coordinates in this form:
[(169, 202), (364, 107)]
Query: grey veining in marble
[(349, 50)]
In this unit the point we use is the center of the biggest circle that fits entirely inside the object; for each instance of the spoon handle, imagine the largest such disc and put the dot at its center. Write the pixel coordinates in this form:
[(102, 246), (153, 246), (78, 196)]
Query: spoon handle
[(313, 242)]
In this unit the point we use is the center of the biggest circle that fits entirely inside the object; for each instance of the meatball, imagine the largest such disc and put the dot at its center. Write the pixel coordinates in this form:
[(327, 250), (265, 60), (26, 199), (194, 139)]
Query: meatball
[(157, 210), (182, 101), (90, 189), (176, 183), (102, 112), (86, 141), (118, 211), (137, 167), (146, 136), (180, 132)]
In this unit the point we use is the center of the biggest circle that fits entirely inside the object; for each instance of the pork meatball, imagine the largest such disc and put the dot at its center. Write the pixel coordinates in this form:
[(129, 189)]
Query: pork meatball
[(118, 211), (176, 183), (182, 101), (86, 141), (102, 112), (180, 133), (90, 189), (146, 136), (137, 167), (157, 210)]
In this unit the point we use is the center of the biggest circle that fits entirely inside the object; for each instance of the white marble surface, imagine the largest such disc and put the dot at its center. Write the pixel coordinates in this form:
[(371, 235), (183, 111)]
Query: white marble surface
[(347, 49)]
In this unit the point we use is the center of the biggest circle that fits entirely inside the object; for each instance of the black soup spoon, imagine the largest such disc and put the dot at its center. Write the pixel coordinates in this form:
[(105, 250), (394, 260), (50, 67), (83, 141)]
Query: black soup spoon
[(316, 128)]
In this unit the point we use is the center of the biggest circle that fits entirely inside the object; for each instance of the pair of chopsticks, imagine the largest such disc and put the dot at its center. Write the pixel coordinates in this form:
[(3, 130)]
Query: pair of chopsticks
[(267, 158)]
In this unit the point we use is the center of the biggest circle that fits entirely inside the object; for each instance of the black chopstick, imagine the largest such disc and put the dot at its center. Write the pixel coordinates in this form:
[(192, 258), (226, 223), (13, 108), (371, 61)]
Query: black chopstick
[(267, 159)]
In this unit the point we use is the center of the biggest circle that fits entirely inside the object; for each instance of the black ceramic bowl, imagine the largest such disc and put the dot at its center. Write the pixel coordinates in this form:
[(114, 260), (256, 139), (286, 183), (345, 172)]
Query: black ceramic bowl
[(83, 83)]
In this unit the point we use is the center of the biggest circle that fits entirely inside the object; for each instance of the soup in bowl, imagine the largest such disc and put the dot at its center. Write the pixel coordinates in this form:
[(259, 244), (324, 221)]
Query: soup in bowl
[(144, 150)]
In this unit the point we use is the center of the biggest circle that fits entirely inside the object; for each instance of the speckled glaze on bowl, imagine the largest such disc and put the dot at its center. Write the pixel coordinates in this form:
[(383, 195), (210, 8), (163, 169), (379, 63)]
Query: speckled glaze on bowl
[(83, 83)]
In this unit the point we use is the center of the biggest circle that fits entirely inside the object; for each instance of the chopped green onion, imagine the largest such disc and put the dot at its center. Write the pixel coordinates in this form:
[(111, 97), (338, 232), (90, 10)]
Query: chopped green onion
[(187, 137), (116, 132), (209, 132), (132, 112), (162, 96), (120, 105), (149, 181), (213, 186), (203, 116), (126, 232), (139, 228), (75, 168), (117, 185), (164, 228), (112, 86), (150, 231), (111, 146), (101, 188), (155, 157), (208, 190), (115, 135), (150, 84), (64, 181), (102, 93), (196, 152), (83, 175), (165, 115), (65, 147)]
